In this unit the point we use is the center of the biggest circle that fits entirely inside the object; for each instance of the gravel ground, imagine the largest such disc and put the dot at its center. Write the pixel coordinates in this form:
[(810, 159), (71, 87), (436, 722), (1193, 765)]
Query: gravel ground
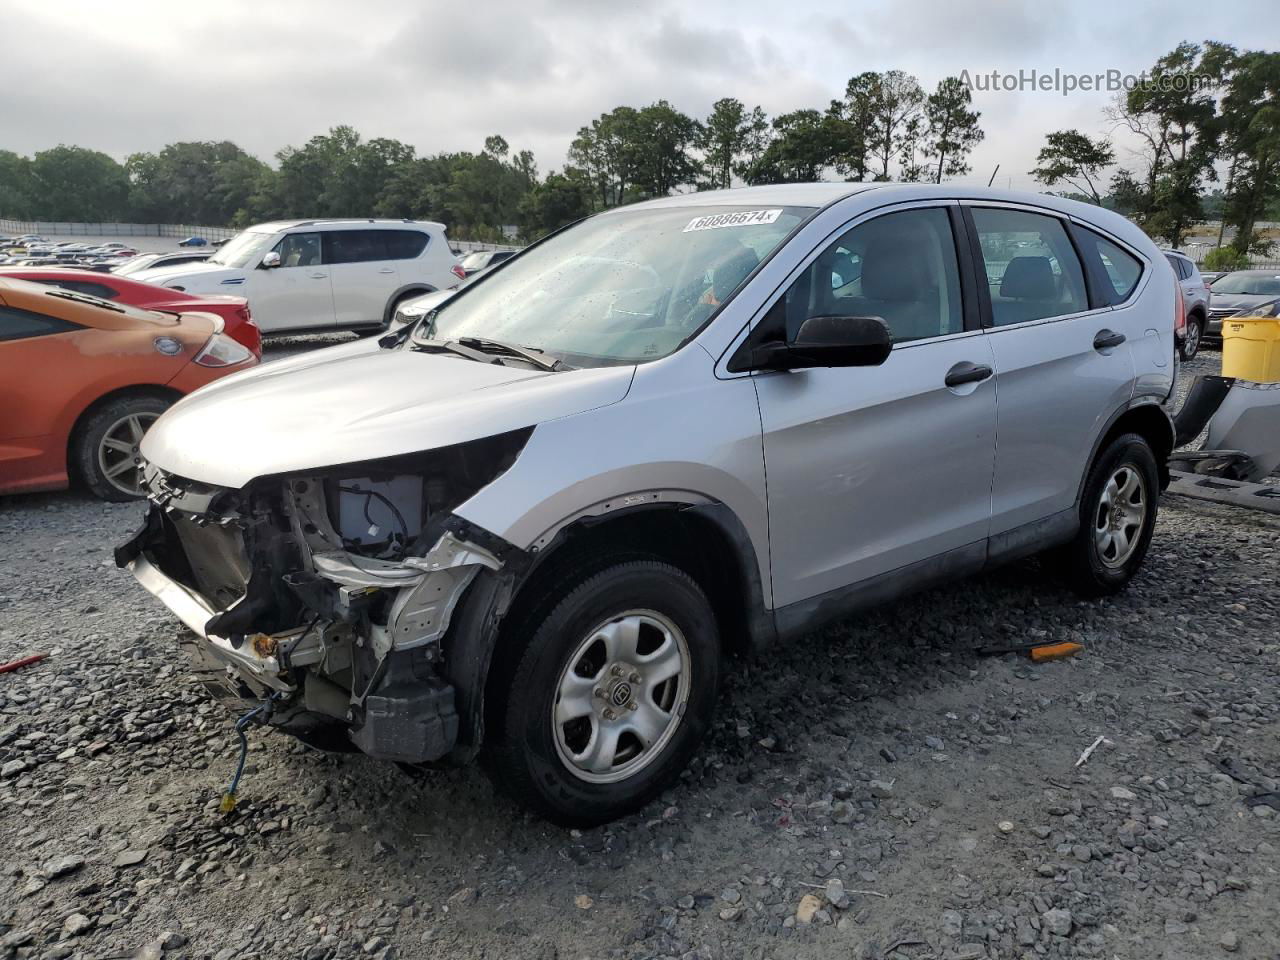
[(878, 790)]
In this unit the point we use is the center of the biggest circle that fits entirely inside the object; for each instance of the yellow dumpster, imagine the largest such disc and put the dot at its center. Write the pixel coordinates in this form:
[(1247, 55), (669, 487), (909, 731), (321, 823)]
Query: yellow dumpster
[(1251, 348)]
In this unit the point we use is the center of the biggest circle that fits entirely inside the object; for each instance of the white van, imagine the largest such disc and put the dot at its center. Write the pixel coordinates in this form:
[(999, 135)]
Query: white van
[(322, 274)]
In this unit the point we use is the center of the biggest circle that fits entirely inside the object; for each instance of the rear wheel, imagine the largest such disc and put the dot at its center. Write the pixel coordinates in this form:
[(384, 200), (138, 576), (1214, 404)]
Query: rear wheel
[(1190, 344), (106, 447), (611, 695), (1117, 518)]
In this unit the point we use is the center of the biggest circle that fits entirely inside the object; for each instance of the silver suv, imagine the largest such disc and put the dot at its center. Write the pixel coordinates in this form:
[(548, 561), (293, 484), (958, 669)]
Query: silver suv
[(1195, 304), (533, 524)]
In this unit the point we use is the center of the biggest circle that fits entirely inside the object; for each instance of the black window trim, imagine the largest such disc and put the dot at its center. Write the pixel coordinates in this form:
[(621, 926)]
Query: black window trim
[(984, 290)]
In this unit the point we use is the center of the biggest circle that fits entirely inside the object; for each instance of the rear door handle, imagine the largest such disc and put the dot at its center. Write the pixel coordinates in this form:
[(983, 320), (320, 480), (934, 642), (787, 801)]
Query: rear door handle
[(1107, 339), (387, 270), (966, 372), (317, 276)]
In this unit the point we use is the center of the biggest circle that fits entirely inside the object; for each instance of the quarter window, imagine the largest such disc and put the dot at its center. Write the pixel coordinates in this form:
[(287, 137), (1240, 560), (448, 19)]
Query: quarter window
[(1120, 268), (900, 267), (1031, 268), (18, 324), (404, 244)]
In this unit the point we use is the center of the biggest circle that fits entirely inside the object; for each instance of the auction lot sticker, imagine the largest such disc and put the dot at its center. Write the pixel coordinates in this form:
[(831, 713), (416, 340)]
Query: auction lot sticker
[(744, 218)]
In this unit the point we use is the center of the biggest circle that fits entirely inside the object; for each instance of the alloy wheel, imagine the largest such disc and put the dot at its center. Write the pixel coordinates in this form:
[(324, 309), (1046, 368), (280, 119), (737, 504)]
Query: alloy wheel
[(1120, 516), (118, 453)]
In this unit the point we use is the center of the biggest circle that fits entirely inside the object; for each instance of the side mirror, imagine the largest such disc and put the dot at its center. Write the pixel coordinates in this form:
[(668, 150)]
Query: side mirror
[(270, 261), (827, 342)]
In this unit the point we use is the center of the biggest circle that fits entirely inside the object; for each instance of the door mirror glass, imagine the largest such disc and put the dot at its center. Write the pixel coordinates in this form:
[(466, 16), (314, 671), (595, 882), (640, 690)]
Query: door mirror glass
[(270, 260), (829, 342)]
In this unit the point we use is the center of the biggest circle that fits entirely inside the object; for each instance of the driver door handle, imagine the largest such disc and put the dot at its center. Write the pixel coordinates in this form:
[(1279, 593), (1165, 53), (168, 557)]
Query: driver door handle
[(1106, 339), (317, 276), (966, 372)]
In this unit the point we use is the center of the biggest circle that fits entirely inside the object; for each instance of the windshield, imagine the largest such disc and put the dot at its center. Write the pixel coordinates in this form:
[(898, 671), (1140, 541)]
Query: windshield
[(624, 287), (244, 250), (1249, 284)]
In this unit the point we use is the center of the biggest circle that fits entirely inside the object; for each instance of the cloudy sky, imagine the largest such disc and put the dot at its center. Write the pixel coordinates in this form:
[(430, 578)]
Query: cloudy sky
[(137, 74)]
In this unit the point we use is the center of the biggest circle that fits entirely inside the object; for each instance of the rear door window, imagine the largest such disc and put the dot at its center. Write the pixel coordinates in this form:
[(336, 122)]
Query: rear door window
[(355, 246), (1032, 270)]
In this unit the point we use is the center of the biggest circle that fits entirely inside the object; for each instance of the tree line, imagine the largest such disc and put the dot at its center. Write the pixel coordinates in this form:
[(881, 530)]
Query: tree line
[(1207, 129), (1207, 125), (885, 126)]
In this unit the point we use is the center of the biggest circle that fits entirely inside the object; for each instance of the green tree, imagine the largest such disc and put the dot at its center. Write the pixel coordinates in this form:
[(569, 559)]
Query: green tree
[(664, 140), (952, 129), (1250, 122), (1069, 156), (559, 200), (804, 143), (729, 136), (204, 183), (17, 186), (74, 183), (893, 103)]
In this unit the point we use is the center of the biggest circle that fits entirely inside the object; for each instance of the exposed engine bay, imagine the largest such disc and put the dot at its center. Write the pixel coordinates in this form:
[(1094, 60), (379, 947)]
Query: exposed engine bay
[(330, 592)]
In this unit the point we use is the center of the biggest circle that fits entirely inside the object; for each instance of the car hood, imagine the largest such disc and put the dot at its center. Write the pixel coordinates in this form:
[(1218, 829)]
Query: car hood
[(1239, 301), (200, 277), (358, 402)]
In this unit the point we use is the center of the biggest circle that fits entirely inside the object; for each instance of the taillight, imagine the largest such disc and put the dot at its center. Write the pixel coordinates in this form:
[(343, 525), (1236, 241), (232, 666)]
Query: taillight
[(458, 272), (222, 351), (1179, 309)]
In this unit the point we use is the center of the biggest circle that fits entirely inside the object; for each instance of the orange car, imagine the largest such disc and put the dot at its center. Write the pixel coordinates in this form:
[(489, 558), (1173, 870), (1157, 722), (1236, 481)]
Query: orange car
[(81, 379)]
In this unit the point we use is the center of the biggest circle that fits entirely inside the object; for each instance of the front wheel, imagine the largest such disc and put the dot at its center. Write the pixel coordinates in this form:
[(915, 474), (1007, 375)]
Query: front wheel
[(1190, 344), (613, 691), (1117, 518)]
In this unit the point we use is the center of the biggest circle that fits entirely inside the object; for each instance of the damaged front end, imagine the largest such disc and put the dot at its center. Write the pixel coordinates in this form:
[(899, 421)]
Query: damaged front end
[(333, 591)]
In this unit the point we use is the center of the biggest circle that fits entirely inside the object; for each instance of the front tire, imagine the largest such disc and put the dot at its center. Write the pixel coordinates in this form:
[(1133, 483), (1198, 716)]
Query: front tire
[(613, 691), (105, 449), (1190, 344), (1117, 518)]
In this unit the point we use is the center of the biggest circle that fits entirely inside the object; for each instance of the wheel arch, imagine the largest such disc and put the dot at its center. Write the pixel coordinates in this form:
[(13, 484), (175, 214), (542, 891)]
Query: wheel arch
[(705, 540), (83, 417), (408, 289), (1148, 420)]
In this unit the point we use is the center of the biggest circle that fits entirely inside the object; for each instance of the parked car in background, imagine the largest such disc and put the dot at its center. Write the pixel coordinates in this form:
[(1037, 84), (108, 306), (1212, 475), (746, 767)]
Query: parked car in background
[(323, 274), (193, 242), (81, 380), (150, 261), (536, 525), (1243, 293), (415, 308), (479, 260), (234, 311), (1208, 276), (1195, 303)]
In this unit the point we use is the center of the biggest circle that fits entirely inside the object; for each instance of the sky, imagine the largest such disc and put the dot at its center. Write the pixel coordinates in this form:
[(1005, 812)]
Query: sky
[(134, 75)]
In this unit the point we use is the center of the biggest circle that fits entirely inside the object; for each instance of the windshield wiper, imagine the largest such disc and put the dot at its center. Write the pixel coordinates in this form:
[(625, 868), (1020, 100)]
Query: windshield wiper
[(455, 346), (539, 358)]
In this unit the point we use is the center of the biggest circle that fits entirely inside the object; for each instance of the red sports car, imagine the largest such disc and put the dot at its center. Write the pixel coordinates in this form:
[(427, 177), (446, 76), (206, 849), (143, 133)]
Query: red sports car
[(234, 311)]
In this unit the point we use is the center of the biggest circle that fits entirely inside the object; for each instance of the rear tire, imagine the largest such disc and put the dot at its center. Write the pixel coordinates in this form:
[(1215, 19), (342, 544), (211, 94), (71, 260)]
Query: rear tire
[(105, 448), (1189, 346), (1117, 518), (612, 692)]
